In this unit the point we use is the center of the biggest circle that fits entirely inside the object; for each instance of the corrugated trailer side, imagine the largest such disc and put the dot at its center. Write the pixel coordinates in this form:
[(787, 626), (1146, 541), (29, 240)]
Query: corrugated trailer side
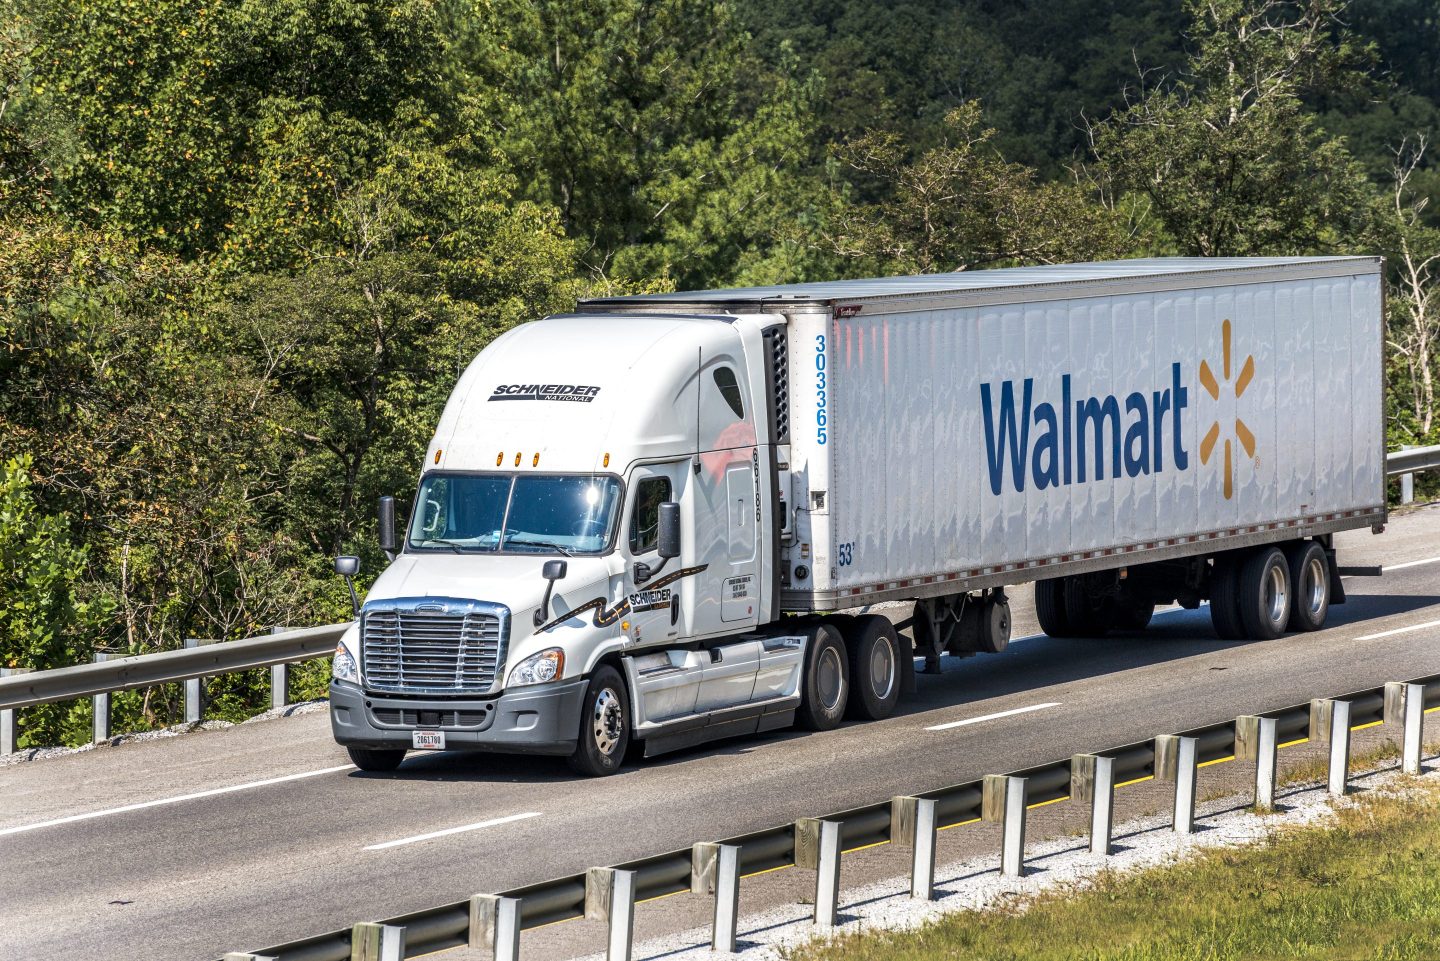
[(991, 436)]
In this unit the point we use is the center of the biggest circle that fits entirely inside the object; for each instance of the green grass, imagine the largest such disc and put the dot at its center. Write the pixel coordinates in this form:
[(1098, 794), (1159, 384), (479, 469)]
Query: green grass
[(1366, 885)]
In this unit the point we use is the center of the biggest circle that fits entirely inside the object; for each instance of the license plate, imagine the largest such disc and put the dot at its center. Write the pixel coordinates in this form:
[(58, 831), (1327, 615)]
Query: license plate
[(427, 740)]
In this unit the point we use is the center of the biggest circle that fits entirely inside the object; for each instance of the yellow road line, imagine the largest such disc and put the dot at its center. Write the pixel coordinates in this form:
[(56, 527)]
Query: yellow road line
[(1361, 727), (959, 824), (864, 847), (1148, 777), (1041, 804), (1302, 740), (756, 874), (1218, 760)]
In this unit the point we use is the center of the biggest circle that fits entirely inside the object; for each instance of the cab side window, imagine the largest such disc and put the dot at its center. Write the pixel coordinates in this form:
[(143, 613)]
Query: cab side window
[(645, 521)]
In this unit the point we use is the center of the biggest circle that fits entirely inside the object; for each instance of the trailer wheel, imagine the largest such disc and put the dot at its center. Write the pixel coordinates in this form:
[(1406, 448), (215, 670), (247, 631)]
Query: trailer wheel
[(376, 759), (1265, 594), (604, 726), (1050, 607), (1309, 586), (1133, 615), (875, 653), (1088, 616), (825, 685), (1225, 599)]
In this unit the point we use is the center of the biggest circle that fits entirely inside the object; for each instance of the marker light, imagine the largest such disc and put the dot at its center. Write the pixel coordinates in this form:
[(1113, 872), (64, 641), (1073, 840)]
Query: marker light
[(517, 458), (607, 461), (535, 461), (499, 457), (438, 452)]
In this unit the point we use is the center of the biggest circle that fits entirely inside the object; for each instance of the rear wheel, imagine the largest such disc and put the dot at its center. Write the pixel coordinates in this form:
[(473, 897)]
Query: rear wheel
[(1133, 615), (1089, 615), (825, 686), (604, 726), (875, 653), (1265, 594), (376, 759), (1050, 608), (1309, 586), (1225, 599)]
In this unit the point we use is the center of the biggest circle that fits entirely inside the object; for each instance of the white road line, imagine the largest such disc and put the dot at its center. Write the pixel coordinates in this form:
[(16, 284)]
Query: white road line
[(173, 800), (1387, 568), (448, 831), (1399, 630), (991, 717)]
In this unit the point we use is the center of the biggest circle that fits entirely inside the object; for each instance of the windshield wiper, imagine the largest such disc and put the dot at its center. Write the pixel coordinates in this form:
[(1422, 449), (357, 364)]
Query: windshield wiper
[(453, 545), (528, 543)]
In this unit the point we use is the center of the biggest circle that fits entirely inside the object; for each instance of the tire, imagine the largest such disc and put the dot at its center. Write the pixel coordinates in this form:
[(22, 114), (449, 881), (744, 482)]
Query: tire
[(1050, 608), (1265, 594), (825, 684), (1225, 599), (376, 759), (994, 624), (604, 726), (1133, 615), (1086, 616), (1309, 586), (874, 666)]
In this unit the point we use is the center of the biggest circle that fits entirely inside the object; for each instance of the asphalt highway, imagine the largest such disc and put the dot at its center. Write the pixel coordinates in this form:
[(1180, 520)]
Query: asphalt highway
[(188, 847)]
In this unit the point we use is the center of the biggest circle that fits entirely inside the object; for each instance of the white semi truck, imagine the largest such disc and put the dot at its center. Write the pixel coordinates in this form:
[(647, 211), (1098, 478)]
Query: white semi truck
[(642, 523)]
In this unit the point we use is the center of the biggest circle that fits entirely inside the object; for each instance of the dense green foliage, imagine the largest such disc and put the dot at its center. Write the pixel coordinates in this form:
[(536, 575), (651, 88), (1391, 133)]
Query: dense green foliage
[(247, 248)]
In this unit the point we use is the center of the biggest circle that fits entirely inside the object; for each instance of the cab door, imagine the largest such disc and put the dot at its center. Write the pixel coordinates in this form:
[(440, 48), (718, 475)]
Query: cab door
[(655, 606)]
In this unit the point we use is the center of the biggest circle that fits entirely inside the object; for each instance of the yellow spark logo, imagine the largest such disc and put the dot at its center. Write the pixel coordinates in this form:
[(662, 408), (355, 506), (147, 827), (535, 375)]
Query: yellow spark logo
[(1242, 433)]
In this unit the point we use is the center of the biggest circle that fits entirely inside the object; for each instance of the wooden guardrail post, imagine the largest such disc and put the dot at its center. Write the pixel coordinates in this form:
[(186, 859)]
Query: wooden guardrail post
[(495, 926), (373, 941), (1092, 778), (9, 723), (610, 897), (1256, 740), (1003, 799), (1405, 705), (1176, 758)]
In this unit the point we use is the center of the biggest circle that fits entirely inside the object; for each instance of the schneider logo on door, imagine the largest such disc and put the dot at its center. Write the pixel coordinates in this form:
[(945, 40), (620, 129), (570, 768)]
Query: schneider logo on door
[(1089, 439), (572, 393)]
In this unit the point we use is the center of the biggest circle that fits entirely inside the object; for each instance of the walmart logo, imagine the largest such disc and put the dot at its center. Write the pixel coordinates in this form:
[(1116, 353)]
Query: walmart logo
[(1106, 436), (1242, 433)]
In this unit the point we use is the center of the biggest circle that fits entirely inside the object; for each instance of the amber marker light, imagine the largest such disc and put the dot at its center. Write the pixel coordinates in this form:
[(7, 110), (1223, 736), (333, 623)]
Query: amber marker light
[(607, 461), (535, 461), (517, 458), (437, 455), (499, 458)]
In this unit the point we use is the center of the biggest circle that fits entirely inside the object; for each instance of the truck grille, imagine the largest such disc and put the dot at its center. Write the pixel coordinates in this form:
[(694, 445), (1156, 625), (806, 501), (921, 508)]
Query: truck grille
[(414, 653)]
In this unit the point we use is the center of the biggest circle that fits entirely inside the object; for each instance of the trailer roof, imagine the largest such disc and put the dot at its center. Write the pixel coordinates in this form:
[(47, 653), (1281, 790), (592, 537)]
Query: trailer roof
[(961, 282)]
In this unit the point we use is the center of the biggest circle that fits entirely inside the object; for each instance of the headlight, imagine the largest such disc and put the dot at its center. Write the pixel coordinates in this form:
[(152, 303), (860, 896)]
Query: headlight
[(540, 668), (343, 667)]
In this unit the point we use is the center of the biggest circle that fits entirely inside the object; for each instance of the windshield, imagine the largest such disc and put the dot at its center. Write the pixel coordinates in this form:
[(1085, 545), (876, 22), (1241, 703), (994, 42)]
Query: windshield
[(514, 514)]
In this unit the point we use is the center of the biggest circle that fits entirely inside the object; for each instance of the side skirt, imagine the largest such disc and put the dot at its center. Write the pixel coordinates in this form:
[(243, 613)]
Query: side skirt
[(713, 726)]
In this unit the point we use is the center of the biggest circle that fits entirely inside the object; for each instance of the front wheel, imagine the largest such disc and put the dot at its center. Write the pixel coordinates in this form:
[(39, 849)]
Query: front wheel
[(604, 726), (376, 759)]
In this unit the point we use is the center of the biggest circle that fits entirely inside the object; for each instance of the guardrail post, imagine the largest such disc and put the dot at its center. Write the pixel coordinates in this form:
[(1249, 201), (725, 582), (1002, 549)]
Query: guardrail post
[(912, 823), (101, 702), (1176, 758), (827, 875), (1405, 705), (279, 678), (373, 941), (610, 897), (1002, 799), (1407, 482), (495, 926), (9, 726), (1256, 740), (1092, 778), (725, 931), (1330, 721)]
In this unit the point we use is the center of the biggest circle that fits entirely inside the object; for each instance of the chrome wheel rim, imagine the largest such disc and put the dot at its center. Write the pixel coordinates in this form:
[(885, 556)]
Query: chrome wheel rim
[(1318, 588), (882, 668), (609, 721), (1276, 599), (829, 679)]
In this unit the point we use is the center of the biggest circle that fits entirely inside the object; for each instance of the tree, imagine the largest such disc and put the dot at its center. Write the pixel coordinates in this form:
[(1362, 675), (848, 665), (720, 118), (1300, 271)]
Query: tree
[(1226, 154), (666, 146), (961, 205)]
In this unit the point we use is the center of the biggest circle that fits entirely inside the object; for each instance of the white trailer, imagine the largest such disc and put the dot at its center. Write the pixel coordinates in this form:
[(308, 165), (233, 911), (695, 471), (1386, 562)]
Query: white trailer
[(1126, 434)]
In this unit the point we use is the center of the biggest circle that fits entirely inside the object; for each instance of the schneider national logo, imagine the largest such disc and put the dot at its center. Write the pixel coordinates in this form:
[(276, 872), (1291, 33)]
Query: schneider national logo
[(572, 393), (1083, 439)]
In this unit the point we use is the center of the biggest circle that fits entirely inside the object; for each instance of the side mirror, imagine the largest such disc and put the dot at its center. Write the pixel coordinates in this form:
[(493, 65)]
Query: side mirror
[(552, 571), (387, 526), (347, 566), (668, 535)]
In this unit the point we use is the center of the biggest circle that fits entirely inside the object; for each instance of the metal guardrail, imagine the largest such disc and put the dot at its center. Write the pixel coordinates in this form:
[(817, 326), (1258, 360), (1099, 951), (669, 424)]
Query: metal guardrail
[(1412, 459), (494, 922), (198, 660)]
